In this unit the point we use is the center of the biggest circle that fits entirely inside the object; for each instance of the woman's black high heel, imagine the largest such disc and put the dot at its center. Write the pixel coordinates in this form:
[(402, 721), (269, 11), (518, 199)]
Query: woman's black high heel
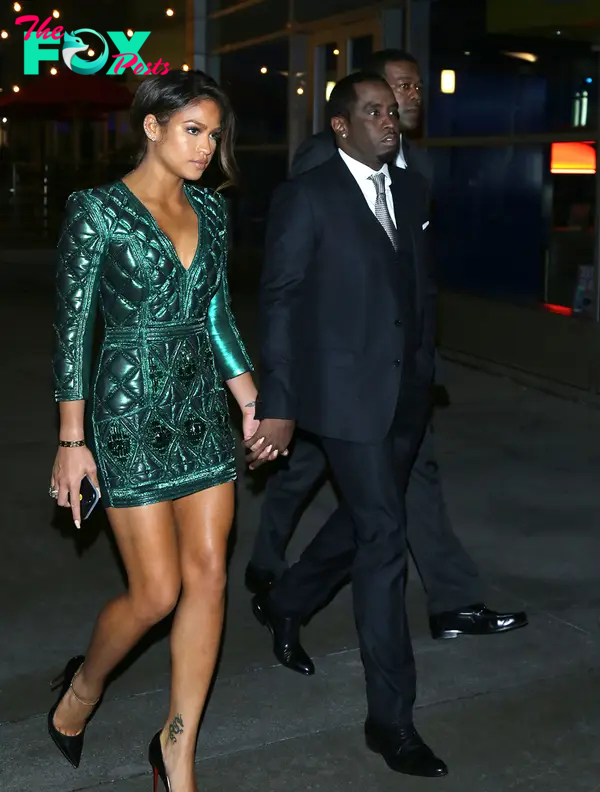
[(155, 757), (69, 746)]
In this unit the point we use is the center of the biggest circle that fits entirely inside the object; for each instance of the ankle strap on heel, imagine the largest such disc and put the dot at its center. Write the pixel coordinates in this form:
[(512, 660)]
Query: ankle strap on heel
[(80, 700)]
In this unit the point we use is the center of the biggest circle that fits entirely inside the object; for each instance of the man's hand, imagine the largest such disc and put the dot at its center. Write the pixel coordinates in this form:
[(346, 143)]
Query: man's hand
[(271, 439)]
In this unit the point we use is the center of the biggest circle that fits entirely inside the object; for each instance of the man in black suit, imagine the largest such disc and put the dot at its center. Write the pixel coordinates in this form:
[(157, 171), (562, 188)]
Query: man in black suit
[(455, 592), (347, 346)]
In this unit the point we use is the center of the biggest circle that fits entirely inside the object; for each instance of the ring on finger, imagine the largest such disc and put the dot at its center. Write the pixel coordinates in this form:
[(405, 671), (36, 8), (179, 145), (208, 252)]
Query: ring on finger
[(53, 492)]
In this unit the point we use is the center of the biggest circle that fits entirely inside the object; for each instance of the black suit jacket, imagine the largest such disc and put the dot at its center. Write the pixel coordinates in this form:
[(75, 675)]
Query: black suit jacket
[(318, 148), (331, 304)]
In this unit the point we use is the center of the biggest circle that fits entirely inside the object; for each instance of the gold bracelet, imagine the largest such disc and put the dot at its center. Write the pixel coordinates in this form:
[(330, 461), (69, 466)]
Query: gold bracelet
[(71, 443)]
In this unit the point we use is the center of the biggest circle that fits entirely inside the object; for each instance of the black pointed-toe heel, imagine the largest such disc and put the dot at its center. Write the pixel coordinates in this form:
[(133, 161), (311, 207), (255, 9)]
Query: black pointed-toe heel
[(155, 757), (69, 746)]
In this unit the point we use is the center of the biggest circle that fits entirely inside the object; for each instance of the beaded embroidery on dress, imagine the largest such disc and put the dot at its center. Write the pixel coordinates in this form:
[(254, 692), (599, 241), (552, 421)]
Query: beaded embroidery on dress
[(158, 420)]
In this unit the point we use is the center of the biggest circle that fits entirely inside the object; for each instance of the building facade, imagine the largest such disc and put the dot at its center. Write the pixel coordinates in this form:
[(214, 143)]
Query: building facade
[(511, 124)]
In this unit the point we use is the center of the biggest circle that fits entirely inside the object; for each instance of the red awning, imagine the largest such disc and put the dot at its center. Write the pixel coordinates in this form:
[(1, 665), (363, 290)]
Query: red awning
[(68, 91)]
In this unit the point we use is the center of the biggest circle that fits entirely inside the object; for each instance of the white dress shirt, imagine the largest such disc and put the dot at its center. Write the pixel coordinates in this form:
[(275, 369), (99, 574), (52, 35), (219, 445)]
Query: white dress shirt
[(362, 173), (400, 160)]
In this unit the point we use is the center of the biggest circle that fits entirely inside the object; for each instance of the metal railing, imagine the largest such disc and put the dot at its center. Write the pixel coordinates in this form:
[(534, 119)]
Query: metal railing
[(33, 197)]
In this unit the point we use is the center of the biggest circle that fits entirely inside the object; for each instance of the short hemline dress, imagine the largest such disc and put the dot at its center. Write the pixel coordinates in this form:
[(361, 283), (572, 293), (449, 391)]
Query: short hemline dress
[(157, 418)]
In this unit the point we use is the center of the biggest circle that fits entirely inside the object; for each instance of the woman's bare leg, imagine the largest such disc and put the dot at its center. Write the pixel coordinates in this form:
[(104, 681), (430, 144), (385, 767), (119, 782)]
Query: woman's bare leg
[(203, 524), (148, 544)]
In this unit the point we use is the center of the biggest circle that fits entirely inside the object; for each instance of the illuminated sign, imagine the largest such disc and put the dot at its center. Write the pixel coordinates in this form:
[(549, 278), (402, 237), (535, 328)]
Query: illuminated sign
[(573, 158)]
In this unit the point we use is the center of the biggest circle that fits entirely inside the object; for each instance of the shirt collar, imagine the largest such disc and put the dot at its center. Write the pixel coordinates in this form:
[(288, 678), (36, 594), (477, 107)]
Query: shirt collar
[(362, 172), (401, 157)]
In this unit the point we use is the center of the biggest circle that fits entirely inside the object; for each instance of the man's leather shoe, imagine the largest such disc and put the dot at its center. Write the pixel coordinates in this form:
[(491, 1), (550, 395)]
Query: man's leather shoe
[(474, 620), (404, 751), (286, 636), (258, 580)]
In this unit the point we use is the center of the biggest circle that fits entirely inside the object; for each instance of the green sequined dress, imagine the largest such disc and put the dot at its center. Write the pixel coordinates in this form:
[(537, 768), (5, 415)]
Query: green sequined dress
[(157, 419)]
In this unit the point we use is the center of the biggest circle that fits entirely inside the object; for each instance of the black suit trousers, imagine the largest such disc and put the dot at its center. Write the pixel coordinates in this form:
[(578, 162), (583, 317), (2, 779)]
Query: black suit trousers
[(370, 542), (449, 575)]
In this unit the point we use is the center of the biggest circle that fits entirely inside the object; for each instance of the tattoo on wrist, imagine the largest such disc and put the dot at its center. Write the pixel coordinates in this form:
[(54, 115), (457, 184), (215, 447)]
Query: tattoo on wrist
[(250, 404), (175, 728)]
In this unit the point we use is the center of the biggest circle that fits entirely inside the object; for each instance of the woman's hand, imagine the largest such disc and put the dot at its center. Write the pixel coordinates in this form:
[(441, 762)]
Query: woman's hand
[(272, 438), (249, 422), (70, 466), (245, 393), (249, 429)]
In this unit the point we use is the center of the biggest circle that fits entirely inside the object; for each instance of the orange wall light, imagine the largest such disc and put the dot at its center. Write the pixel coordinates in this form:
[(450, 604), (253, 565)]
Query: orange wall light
[(573, 158)]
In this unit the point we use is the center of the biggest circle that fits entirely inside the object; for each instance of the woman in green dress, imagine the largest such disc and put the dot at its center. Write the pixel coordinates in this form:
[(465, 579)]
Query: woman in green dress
[(151, 251)]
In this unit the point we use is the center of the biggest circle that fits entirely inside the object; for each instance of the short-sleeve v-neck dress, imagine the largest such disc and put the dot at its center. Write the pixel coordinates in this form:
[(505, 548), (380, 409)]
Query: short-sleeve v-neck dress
[(157, 418)]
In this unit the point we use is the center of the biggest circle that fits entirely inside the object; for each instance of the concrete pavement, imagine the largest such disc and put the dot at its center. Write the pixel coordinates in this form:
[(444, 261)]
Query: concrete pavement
[(516, 712)]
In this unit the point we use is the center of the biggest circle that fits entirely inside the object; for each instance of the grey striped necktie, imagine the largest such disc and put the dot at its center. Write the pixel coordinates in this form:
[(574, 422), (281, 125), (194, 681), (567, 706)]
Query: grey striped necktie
[(382, 213)]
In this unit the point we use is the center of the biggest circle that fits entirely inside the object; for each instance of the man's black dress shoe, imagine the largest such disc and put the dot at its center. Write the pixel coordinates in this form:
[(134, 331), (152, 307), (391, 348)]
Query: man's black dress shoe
[(474, 620), (404, 751), (286, 636), (258, 580)]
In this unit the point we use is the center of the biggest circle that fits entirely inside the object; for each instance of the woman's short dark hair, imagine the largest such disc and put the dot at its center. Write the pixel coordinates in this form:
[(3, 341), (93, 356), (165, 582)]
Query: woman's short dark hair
[(343, 97), (166, 94)]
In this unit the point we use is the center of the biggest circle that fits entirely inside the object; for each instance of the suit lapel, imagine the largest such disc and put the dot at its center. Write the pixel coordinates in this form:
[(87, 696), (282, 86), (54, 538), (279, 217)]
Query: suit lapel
[(403, 208), (346, 196), (407, 153), (351, 200), (406, 222)]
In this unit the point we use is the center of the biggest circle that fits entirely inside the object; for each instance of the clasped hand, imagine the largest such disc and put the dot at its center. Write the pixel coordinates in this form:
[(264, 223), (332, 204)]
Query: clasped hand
[(270, 440)]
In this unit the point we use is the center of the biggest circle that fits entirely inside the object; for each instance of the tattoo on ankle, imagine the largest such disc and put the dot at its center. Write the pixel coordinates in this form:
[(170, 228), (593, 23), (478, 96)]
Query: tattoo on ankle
[(175, 728)]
